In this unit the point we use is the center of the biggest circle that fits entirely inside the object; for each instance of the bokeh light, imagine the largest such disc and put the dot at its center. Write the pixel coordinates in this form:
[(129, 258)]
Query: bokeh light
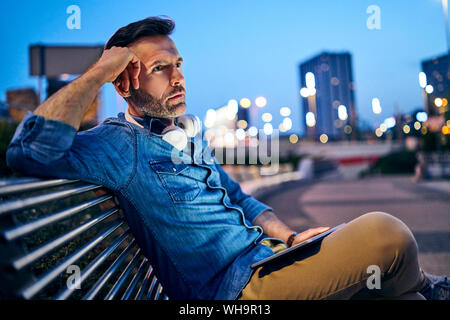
[(266, 117), (261, 102), (406, 129), (245, 103), (376, 106), (285, 111), (323, 138), (287, 123), (293, 138), (242, 124), (268, 129), (310, 119)]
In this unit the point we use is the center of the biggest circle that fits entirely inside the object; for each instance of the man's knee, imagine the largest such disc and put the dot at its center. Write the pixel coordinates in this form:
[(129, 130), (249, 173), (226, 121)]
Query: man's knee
[(388, 233)]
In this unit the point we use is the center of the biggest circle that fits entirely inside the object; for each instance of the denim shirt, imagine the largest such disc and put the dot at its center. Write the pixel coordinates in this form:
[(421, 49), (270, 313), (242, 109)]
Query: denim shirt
[(191, 220)]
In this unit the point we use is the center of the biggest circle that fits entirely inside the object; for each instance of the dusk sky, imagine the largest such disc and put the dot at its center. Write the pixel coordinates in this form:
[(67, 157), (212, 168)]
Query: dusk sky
[(235, 49)]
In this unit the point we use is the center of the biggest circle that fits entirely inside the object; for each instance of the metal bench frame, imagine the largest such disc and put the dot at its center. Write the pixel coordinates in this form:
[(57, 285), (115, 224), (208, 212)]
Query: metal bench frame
[(119, 271)]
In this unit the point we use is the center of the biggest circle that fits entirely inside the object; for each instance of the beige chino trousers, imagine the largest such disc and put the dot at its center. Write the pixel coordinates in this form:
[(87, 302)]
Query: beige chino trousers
[(343, 264)]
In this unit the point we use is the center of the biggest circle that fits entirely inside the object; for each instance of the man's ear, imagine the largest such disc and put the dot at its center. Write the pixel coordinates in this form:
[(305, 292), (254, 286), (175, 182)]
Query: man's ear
[(117, 85)]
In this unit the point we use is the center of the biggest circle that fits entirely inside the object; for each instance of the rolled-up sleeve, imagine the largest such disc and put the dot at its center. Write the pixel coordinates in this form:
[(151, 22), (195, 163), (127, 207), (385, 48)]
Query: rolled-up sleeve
[(251, 207), (43, 140), (46, 148)]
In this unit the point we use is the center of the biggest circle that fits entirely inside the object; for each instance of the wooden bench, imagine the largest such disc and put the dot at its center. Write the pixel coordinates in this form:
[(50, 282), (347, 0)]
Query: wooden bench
[(66, 239)]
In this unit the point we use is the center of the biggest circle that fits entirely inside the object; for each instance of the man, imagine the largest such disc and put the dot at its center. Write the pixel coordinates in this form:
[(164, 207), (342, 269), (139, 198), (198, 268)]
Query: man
[(196, 226)]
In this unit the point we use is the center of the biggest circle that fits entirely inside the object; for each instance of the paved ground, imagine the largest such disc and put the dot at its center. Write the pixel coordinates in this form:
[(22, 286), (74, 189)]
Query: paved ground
[(424, 207)]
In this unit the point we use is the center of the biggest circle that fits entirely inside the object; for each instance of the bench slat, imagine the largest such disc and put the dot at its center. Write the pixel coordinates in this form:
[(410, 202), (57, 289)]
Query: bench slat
[(152, 289), (137, 276), (148, 275), (20, 231), (93, 265), (50, 275), (120, 281), (21, 204), (158, 292), (105, 277), (32, 197), (52, 245), (28, 185)]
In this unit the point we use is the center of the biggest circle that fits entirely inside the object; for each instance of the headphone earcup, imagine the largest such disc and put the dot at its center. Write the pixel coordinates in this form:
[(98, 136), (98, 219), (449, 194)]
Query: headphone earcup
[(175, 136), (190, 124)]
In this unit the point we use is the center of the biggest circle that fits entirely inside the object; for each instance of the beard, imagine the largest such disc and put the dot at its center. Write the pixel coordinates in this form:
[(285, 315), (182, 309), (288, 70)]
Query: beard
[(152, 107)]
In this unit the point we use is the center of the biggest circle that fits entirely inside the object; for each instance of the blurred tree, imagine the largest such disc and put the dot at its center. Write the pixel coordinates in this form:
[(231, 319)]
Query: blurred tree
[(7, 129)]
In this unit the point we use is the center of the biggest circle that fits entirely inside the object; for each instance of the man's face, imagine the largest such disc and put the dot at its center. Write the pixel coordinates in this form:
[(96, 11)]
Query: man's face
[(161, 90)]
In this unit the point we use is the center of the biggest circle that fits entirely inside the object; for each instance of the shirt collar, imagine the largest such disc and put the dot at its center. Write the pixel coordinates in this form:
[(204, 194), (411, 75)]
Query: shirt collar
[(153, 124)]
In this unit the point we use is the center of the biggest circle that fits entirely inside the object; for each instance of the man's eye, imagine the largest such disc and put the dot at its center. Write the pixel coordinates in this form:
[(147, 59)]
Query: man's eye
[(157, 68), (179, 65)]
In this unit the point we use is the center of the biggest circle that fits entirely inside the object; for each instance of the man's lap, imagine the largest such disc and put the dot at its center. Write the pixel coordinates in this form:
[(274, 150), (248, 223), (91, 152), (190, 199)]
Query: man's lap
[(336, 268)]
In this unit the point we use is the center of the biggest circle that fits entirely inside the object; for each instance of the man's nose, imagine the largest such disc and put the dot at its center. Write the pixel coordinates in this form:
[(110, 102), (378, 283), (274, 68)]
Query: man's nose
[(177, 77)]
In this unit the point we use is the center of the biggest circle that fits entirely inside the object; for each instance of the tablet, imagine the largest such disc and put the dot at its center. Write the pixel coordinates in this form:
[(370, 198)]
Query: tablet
[(297, 247)]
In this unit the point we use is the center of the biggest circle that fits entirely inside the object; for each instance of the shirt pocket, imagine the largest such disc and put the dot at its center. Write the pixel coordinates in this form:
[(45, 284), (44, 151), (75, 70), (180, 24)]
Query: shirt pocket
[(177, 180)]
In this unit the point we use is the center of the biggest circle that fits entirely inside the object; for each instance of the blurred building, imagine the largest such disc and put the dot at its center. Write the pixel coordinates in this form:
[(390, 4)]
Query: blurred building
[(328, 98), (436, 87), (57, 63), (20, 101)]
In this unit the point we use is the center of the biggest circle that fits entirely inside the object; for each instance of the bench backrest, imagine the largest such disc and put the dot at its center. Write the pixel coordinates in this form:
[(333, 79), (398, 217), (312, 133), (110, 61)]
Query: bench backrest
[(66, 239)]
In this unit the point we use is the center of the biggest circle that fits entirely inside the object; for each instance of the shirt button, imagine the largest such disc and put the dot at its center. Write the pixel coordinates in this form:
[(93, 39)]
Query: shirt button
[(174, 169)]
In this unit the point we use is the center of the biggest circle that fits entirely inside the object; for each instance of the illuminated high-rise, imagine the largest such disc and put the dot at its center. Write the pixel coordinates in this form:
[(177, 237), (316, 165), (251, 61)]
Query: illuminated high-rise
[(436, 83), (327, 93)]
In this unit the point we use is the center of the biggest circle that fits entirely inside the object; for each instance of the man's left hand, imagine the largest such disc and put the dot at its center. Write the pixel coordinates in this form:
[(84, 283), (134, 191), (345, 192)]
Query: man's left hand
[(305, 235)]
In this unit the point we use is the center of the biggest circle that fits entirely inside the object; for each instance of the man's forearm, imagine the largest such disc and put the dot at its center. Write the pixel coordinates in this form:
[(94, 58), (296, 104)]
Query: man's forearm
[(71, 102), (273, 226)]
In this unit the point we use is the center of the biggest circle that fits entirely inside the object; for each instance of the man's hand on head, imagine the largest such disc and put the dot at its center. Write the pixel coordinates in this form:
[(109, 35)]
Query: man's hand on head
[(120, 65), (70, 103)]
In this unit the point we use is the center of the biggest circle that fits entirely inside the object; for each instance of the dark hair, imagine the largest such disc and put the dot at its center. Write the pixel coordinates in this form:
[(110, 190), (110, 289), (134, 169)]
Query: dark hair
[(152, 26)]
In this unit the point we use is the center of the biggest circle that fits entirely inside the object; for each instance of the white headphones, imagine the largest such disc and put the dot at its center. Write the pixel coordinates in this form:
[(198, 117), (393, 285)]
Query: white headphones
[(188, 126)]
